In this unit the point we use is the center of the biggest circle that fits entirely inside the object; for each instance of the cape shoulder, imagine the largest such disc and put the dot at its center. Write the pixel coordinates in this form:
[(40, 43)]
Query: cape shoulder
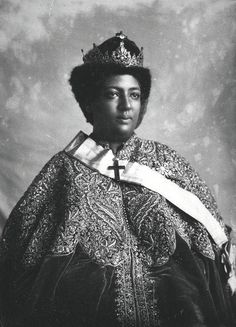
[(35, 211), (30, 211), (178, 169)]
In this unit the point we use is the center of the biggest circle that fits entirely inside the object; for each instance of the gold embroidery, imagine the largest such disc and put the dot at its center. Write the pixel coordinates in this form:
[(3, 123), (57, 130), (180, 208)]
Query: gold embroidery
[(118, 224)]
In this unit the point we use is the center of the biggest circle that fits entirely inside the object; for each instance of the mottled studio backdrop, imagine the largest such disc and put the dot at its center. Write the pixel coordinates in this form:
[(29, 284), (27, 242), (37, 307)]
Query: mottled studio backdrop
[(190, 47)]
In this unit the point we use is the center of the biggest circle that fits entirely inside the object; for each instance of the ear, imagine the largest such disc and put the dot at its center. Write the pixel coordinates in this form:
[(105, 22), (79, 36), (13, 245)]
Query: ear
[(142, 112), (88, 112), (89, 108)]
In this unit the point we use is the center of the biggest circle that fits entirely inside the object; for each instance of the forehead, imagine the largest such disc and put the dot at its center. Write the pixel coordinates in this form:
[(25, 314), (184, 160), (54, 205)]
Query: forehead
[(121, 81)]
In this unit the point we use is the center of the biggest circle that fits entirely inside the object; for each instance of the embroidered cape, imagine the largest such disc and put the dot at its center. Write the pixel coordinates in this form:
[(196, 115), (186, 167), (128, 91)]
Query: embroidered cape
[(117, 226)]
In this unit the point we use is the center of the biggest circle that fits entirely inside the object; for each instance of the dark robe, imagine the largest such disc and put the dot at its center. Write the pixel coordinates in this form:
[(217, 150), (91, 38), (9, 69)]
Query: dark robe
[(82, 250)]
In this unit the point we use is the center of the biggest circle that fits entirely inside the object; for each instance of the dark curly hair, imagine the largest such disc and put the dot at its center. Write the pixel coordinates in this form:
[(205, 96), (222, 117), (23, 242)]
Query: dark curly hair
[(86, 80)]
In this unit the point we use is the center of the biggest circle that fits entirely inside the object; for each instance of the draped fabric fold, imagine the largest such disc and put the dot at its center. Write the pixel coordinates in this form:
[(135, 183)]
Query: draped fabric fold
[(84, 249)]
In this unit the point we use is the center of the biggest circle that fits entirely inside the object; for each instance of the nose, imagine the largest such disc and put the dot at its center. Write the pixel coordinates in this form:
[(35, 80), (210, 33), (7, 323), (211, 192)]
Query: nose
[(125, 103)]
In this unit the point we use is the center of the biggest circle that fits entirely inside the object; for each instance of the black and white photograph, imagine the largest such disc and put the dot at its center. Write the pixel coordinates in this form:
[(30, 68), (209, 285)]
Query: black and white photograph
[(118, 163)]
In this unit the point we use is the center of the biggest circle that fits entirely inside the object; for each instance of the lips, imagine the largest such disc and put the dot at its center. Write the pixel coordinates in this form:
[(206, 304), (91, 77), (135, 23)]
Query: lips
[(124, 117)]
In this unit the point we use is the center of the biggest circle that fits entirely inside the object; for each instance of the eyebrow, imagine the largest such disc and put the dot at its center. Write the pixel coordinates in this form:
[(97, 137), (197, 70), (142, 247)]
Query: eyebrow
[(120, 88)]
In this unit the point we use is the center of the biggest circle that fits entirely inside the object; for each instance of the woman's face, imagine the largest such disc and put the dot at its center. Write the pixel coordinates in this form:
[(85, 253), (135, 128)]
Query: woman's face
[(116, 110)]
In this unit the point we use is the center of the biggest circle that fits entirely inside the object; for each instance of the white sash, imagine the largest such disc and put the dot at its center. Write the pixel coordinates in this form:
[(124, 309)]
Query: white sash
[(101, 160)]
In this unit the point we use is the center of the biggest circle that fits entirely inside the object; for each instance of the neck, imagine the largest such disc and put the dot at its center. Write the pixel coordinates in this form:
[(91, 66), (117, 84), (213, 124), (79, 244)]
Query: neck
[(113, 145)]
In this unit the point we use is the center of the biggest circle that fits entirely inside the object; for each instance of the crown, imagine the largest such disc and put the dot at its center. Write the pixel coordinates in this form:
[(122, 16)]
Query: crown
[(120, 56)]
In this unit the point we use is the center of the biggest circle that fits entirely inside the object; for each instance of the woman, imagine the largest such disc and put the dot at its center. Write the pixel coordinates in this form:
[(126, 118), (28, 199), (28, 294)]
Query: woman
[(115, 230)]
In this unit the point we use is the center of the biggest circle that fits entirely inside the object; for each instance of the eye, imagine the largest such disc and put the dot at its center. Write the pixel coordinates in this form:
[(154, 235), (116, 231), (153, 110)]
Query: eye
[(135, 95), (111, 94)]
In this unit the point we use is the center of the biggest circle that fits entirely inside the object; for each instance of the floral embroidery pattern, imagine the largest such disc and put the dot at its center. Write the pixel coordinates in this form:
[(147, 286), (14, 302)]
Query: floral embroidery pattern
[(118, 224)]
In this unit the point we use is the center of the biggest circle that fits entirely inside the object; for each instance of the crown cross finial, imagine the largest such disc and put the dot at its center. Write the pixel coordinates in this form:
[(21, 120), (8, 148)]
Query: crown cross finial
[(121, 35)]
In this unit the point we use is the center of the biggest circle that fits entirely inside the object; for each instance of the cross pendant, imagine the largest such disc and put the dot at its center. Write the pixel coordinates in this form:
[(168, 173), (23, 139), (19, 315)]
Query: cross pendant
[(116, 169)]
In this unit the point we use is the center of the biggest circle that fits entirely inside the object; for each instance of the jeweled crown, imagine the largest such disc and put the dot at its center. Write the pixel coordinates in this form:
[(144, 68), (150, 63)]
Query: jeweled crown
[(120, 56)]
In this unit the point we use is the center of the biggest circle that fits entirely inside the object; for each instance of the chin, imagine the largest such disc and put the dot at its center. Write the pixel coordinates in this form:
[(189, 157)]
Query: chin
[(122, 133)]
